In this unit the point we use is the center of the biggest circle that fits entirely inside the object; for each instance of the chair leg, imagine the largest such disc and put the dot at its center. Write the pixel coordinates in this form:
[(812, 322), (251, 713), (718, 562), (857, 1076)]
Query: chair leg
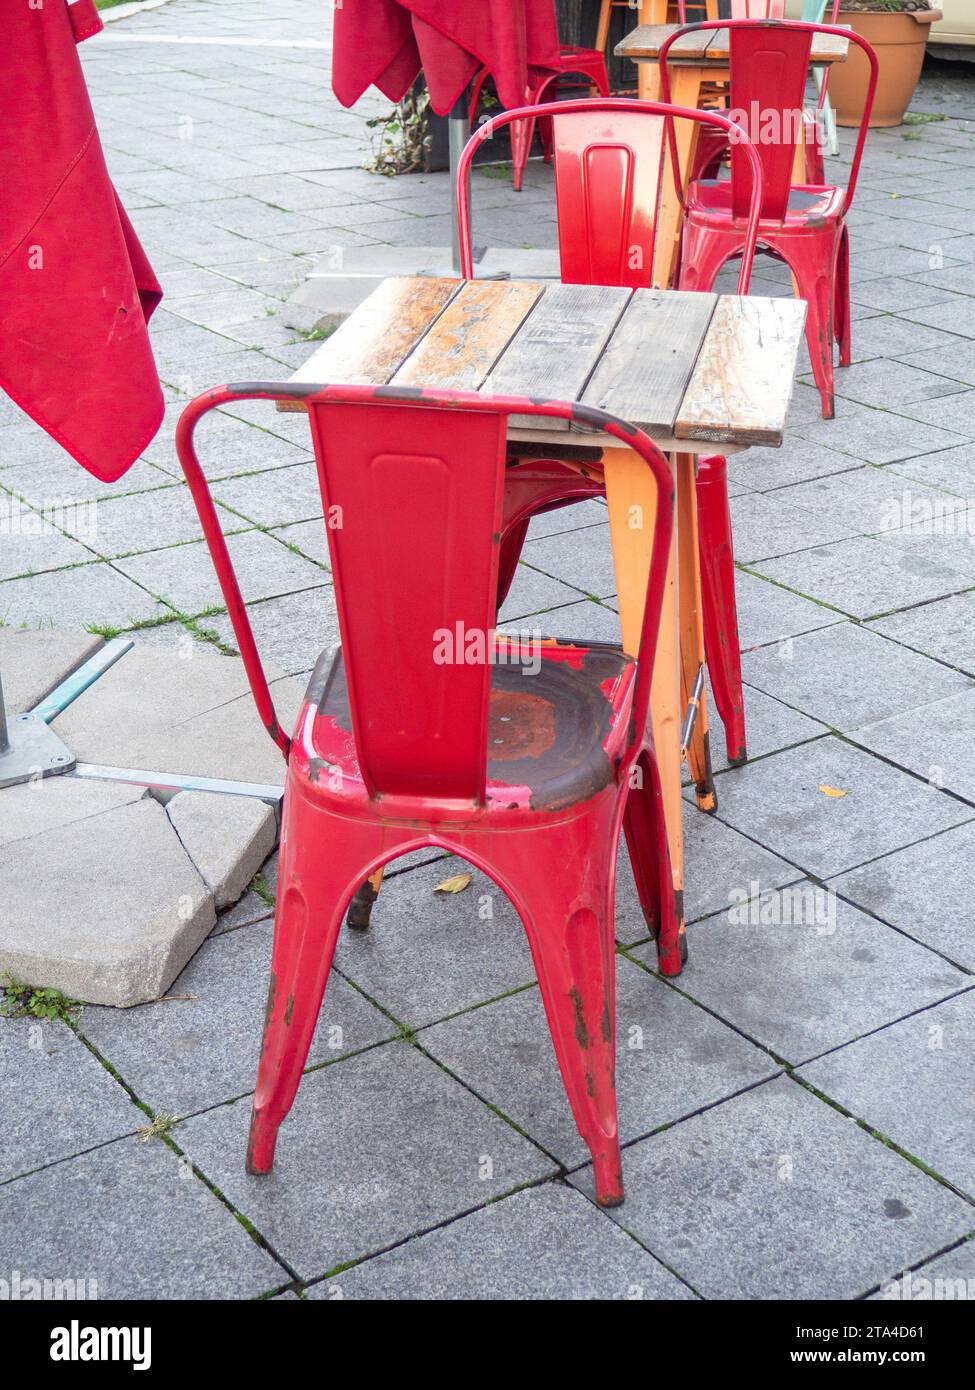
[(646, 841), (704, 251), (813, 274), (842, 318), (363, 901), (313, 890), (721, 642), (512, 542), (561, 880), (692, 660)]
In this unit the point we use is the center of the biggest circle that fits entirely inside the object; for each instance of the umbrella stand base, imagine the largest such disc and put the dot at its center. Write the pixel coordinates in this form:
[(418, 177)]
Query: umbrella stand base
[(332, 290), (34, 751)]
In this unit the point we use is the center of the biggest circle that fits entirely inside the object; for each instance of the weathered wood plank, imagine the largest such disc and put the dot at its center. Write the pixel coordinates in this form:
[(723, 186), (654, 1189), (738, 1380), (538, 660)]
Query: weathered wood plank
[(742, 384), (644, 42), (643, 45), (470, 335), (377, 336), (558, 346), (644, 370)]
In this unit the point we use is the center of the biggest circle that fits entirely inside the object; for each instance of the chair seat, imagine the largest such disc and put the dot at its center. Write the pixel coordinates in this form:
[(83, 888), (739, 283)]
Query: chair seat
[(558, 719), (709, 202)]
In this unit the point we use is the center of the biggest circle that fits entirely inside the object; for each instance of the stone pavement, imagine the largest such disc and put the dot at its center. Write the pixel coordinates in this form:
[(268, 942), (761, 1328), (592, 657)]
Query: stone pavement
[(796, 1107)]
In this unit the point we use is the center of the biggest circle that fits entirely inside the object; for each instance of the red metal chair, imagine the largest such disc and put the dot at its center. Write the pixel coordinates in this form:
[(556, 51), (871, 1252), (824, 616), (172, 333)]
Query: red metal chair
[(428, 729), (804, 226), (608, 168), (584, 62)]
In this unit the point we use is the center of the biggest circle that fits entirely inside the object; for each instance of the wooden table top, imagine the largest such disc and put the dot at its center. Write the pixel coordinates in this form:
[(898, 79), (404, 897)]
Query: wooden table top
[(689, 369), (643, 45)]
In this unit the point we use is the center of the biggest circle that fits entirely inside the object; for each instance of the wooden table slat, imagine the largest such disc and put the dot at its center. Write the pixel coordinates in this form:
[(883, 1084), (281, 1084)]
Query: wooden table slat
[(378, 335), (651, 357), (469, 336), (558, 346), (742, 384), (642, 45)]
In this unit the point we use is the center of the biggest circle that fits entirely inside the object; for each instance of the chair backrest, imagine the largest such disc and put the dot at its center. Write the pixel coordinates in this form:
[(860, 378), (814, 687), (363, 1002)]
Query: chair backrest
[(757, 9), (412, 485), (608, 156), (769, 66)]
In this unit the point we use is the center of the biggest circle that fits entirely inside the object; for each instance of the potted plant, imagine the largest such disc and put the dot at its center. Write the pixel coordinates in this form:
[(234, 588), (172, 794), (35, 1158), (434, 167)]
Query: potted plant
[(897, 30)]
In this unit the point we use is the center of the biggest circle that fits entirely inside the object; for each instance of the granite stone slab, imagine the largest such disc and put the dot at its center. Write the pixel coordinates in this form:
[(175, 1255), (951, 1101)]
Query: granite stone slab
[(774, 1195), (378, 1147), (913, 1082), (201, 1046), (934, 741), (545, 1243), (33, 663), (133, 1222)]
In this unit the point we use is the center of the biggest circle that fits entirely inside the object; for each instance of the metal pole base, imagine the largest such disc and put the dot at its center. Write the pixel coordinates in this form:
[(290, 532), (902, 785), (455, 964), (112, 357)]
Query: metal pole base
[(34, 751)]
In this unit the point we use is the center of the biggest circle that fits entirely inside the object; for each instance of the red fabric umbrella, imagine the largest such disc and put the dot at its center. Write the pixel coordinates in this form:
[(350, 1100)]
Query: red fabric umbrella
[(76, 287), (386, 42)]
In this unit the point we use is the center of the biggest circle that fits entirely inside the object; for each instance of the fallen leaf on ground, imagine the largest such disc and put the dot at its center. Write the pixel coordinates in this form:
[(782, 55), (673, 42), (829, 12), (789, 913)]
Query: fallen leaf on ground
[(832, 791), (457, 884)]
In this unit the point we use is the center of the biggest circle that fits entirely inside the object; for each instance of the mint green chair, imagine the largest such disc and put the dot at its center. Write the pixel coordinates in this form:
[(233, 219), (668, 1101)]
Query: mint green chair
[(812, 13)]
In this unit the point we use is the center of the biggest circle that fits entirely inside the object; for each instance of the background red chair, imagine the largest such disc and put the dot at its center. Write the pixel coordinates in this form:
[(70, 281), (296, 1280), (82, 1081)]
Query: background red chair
[(804, 225), (520, 759), (608, 169)]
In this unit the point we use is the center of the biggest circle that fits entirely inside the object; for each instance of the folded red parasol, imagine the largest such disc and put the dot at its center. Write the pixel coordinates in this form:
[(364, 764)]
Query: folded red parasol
[(76, 288), (386, 42)]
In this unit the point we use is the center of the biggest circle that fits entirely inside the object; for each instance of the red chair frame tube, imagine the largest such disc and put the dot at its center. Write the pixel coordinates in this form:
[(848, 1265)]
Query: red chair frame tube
[(795, 25), (656, 108), (589, 416)]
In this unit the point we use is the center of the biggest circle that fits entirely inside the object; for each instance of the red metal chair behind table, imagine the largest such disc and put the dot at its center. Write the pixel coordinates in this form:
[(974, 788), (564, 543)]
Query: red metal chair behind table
[(584, 62), (608, 171), (519, 756), (803, 225)]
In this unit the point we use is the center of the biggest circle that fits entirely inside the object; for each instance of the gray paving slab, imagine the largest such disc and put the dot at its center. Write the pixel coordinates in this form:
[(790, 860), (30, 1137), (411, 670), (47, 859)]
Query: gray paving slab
[(865, 577), (591, 621), (186, 711), (377, 1148), (951, 470), (956, 414), (58, 1099), (770, 613), (586, 562), (672, 1058), (84, 596), (227, 837), (774, 1195), (934, 741), (149, 521), (889, 335), (848, 675), (430, 954), (136, 912), (718, 861), (132, 1221), (291, 631), (767, 524), (33, 663), (184, 577), (769, 726), (545, 1243), (778, 802), (924, 891), (877, 383), (800, 972), (44, 804), (950, 1277), (201, 1047), (33, 544), (275, 497), (944, 630), (866, 500), (531, 592), (877, 436), (913, 1082)]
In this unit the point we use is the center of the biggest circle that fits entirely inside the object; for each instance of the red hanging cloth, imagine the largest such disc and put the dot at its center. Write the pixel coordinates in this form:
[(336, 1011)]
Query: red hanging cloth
[(386, 42), (76, 287)]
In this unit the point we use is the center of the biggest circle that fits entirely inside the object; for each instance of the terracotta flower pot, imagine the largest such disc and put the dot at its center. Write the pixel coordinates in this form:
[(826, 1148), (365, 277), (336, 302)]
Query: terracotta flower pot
[(898, 40)]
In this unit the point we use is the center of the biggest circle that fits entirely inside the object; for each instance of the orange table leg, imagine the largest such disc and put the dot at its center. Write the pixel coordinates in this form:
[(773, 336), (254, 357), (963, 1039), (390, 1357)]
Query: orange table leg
[(685, 90), (631, 499), (693, 692)]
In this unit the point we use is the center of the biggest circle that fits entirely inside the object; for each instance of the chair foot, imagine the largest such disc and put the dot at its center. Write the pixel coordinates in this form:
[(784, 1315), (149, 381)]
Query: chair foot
[(261, 1144), (360, 908), (705, 792), (608, 1177)]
